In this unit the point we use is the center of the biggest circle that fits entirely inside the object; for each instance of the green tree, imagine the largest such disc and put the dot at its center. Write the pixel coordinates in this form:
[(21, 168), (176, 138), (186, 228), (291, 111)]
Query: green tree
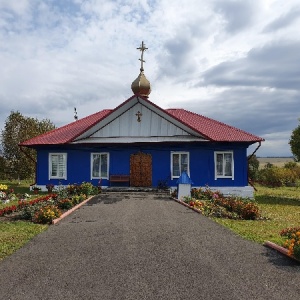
[(253, 166), (3, 167), (18, 128), (295, 143)]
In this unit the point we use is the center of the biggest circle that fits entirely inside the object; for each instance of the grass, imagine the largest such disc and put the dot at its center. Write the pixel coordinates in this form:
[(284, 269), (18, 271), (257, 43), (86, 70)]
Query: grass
[(14, 235), (21, 187), (282, 208)]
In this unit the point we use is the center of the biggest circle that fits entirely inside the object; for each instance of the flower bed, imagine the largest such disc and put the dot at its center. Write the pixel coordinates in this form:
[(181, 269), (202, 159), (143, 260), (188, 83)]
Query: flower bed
[(6, 194), (292, 243), (45, 209), (291, 247), (215, 204)]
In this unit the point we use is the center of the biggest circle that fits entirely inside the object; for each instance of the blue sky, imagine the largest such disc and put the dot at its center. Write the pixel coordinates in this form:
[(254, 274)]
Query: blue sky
[(234, 61)]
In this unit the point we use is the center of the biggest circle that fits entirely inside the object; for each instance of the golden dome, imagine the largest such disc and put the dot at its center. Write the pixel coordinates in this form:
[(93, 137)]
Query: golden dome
[(141, 84)]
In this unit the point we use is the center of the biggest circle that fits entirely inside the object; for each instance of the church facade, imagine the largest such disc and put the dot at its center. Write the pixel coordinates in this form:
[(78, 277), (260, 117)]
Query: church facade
[(140, 144)]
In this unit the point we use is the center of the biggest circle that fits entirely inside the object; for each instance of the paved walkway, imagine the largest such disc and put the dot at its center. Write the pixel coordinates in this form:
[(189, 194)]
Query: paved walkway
[(144, 248)]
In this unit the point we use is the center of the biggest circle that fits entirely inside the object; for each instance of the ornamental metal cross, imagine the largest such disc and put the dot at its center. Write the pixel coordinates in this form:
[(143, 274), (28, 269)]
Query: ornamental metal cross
[(139, 114), (142, 48)]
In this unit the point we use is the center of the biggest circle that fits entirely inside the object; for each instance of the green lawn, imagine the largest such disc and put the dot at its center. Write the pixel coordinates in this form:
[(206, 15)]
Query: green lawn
[(282, 208), (21, 187), (14, 235)]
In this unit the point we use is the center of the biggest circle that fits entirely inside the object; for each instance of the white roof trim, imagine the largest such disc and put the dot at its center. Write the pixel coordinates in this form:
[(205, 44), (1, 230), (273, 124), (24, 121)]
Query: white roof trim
[(130, 140)]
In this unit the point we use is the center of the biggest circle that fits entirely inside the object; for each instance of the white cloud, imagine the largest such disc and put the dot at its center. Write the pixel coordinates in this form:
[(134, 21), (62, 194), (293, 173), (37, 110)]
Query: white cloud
[(235, 61)]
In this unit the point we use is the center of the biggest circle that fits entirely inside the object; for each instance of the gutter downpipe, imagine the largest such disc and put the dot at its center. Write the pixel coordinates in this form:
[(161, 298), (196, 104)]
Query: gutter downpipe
[(249, 181), (32, 159)]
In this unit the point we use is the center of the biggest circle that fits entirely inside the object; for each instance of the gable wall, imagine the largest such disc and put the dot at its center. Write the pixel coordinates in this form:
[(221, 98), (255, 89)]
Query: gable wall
[(201, 163), (127, 125)]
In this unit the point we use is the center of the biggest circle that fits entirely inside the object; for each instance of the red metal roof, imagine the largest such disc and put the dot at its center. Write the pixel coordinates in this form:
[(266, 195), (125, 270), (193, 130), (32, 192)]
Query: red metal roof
[(67, 133), (209, 128), (212, 129)]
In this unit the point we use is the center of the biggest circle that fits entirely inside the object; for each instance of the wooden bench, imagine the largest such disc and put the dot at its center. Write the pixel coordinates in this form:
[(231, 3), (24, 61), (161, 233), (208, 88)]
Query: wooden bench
[(119, 178)]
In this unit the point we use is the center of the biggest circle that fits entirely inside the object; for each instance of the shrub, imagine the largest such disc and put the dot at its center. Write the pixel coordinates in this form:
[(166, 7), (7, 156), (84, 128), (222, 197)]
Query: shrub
[(86, 188), (293, 241), (62, 192), (276, 177), (73, 189), (217, 205), (28, 211), (65, 204), (289, 231), (46, 214), (78, 198), (3, 187), (8, 210)]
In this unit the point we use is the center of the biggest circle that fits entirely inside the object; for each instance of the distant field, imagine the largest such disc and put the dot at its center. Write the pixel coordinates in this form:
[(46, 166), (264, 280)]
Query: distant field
[(276, 161)]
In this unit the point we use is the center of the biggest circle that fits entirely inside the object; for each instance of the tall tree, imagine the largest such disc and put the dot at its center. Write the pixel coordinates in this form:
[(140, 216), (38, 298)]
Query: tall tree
[(295, 143), (16, 130), (3, 168), (253, 166)]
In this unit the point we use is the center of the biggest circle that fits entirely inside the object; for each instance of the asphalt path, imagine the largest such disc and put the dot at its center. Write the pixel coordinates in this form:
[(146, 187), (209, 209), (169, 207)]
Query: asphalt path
[(140, 247)]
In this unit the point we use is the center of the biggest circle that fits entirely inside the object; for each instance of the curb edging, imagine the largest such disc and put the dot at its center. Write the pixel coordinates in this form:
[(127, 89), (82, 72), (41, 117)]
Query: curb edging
[(68, 212), (186, 205), (280, 249)]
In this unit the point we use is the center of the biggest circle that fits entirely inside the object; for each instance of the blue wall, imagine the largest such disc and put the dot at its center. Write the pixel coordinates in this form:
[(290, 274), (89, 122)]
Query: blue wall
[(201, 163)]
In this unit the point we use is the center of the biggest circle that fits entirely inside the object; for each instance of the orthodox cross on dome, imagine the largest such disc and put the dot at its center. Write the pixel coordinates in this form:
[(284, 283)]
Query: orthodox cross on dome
[(142, 48), (139, 114)]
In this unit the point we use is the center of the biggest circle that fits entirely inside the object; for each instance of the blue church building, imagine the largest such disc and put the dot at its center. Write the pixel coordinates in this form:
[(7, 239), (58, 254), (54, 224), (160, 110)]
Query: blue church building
[(141, 144)]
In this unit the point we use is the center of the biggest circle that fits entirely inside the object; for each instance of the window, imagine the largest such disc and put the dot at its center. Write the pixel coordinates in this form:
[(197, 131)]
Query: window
[(179, 163), (224, 165), (99, 165), (58, 165)]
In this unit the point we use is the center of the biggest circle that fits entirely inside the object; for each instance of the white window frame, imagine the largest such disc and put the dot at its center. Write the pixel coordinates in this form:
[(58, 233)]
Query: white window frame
[(232, 165), (99, 153), (64, 155), (188, 164)]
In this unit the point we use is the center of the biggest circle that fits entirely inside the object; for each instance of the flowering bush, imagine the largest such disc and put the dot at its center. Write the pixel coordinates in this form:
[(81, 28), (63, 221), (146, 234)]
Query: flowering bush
[(6, 194), (73, 189), (34, 210), (24, 206), (293, 241), (2, 195), (8, 210), (86, 188), (78, 198), (46, 214), (214, 203), (65, 204), (3, 187)]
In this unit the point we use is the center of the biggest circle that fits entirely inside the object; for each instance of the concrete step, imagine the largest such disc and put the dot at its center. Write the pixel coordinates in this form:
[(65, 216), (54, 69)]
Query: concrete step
[(110, 196)]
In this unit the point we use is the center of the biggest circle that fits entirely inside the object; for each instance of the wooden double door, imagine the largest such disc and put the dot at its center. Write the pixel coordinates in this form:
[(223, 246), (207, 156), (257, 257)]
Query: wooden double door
[(141, 169)]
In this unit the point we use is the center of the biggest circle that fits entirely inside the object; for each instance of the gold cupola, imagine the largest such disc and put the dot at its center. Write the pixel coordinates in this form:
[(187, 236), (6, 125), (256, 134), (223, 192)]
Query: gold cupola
[(141, 85)]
